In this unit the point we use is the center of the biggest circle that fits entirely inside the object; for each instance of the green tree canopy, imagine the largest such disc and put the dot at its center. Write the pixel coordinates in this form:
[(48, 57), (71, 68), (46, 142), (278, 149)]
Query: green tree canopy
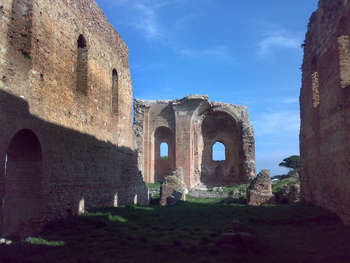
[(292, 162)]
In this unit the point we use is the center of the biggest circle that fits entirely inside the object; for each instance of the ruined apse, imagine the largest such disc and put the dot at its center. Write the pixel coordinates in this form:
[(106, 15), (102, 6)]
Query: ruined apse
[(66, 141), (190, 127), (325, 109)]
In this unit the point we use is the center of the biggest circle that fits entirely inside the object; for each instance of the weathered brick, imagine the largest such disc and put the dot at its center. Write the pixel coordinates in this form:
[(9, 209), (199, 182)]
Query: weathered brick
[(59, 96), (190, 126), (325, 111)]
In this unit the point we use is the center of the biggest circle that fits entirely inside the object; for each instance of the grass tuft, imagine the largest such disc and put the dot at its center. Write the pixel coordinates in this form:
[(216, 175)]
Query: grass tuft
[(41, 241)]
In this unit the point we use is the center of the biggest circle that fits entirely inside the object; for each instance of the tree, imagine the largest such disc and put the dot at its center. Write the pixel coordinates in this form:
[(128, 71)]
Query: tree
[(292, 162)]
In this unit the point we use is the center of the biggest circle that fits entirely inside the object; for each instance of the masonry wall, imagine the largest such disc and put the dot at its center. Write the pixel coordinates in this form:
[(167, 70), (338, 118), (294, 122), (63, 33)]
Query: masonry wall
[(190, 127), (325, 109), (67, 101)]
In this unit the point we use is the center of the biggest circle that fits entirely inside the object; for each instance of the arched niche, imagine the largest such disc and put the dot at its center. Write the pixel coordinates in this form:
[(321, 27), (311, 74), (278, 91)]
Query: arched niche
[(23, 202), (163, 166), (21, 27), (115, 91), (82, 65), (221, 127)]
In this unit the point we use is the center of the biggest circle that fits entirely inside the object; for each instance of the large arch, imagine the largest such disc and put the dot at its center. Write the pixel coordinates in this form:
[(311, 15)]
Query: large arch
[(219, 126), (22, 202), (163, 167)]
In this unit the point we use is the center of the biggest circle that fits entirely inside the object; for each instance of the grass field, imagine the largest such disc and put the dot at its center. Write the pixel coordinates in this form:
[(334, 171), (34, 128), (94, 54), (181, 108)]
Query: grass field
[(188, 232)]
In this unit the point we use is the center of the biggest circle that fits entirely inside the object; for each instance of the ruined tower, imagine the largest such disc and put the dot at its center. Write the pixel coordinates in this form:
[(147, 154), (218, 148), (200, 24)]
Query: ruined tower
[(66, 141), (325, 109)]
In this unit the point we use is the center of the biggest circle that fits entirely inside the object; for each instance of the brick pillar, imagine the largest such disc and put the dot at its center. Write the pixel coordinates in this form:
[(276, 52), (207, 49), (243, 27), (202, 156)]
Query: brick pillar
[(184, 138), (183, 143)]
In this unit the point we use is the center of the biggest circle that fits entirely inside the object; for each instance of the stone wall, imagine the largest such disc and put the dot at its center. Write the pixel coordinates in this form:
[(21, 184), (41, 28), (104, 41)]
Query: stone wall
[(190, 126), (65, 87), (325, 109)]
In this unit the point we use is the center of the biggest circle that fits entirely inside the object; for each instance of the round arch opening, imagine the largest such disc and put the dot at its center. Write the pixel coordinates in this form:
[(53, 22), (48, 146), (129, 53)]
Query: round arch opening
[(164, 143), (22, 203), (221, 152), (218, 152)]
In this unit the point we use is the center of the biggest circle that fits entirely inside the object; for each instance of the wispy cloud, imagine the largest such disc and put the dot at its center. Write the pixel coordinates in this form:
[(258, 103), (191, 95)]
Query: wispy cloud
[(277, 40), (270, 123), (148, 18), (147, 21), (144, 15), (221, 52), (276, 37), (290, 100)]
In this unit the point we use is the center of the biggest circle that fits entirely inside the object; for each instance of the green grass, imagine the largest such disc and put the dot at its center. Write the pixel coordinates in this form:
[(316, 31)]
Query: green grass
[(188, 232), (41, 241), (241, 188), (278, 185), (155, 185), (196, 200)]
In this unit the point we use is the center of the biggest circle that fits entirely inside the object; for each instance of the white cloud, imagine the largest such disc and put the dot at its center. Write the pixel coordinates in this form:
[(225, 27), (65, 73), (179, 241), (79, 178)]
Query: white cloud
[(145, 15), (277, 123), (147, 21), (277, 37)]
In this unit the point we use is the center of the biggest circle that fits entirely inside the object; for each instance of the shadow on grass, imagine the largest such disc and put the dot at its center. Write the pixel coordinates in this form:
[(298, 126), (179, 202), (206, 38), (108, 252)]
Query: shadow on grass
[(189, 232)]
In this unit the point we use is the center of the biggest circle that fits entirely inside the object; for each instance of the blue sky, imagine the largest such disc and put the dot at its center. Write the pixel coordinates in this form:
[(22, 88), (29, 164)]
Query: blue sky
[(239, 52)]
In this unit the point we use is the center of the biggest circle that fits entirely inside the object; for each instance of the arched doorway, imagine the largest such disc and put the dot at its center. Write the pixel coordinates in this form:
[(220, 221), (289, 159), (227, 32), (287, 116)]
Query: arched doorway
[(164, 153), (22, 203), (221, 157)]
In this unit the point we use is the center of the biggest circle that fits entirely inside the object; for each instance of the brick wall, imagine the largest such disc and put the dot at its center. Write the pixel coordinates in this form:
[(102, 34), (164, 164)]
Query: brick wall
[(191, 126), (63, 94), (325, 111)]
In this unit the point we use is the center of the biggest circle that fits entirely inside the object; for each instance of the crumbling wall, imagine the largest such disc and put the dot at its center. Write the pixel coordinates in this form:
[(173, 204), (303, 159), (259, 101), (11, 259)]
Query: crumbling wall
[(196, 124), (60, 65), (221, 127), (325, 111)]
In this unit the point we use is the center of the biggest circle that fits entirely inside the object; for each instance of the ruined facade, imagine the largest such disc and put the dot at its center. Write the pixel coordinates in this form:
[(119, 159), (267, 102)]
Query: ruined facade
[(325, 109), (66, 141), (190, 126)]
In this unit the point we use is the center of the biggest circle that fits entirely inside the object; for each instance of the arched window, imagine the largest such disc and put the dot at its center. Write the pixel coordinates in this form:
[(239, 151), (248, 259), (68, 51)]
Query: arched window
[(114, 91), (82, 65), (218, 152), (164, 151), (164, 154)]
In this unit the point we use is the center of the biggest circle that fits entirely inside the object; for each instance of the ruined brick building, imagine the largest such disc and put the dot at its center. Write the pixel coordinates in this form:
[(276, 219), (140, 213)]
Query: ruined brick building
[(325, 109), (190, 126), (66, 139)]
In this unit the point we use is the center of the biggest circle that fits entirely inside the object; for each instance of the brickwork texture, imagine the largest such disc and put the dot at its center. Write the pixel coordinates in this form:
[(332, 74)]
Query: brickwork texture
[(325, 109), (191, 126), (66, 141)]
